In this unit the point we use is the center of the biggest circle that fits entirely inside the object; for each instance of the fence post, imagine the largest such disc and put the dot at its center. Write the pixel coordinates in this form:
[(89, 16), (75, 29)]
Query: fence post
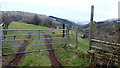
[(67, 31), (65, 34), (1, 45), (92, 33), (118, 41), (76, 36), (63, 30), (91, 26), (39, 34), (72, 27)]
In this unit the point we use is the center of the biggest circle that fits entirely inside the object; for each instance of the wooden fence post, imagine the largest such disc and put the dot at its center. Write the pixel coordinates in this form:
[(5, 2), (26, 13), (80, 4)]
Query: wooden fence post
[(76, 36), (67, 31), (63, 30), (118, 29), (38, 34), (118, 41), (72, 27), (92, 33), (91, 26)]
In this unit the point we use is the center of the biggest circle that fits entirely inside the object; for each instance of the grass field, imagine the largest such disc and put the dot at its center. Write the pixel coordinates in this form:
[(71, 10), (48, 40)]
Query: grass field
[(68, 56)]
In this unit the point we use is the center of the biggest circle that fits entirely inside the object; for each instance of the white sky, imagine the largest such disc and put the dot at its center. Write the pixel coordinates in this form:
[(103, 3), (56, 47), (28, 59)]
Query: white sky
[(76, 10)]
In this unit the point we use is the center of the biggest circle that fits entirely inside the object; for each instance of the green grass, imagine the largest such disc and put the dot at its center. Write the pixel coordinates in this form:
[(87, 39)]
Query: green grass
[(82, 43), (72, 56), (56, 22), (68, 56)]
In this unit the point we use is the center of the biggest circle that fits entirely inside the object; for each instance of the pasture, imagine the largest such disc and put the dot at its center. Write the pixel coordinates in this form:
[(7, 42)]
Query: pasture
[(68, 56)]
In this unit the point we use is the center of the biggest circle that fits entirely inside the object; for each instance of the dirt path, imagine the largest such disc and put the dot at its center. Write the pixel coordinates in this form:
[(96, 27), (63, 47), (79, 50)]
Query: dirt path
[(52, 56), (15, 61), (54, 61)]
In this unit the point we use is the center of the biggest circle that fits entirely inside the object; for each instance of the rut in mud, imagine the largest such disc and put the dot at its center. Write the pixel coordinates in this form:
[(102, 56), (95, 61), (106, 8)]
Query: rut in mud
[(18, 57), (15, 61), (52, 56)]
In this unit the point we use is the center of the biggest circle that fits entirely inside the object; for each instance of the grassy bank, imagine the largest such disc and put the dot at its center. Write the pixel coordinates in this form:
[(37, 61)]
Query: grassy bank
[(68, 56)]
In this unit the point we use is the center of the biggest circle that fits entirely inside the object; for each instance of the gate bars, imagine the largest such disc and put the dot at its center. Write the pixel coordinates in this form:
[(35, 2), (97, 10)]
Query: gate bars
[(39, 37)]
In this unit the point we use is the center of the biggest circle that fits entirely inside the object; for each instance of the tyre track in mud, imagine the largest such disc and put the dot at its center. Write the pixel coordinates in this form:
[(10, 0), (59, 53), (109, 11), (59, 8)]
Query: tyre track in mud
[(16, 60), (54, 61), (18, 57)]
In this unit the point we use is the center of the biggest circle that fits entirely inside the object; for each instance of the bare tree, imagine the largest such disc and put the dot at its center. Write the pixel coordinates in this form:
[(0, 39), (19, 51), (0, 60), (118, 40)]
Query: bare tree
[(6, 22)]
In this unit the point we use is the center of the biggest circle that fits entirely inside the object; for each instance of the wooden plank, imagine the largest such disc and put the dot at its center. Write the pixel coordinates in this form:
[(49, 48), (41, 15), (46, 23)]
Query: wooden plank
[(106, 47), (106, 54), (110, 58), (105, 50), (106, 61), (104, 42), (97, 54)]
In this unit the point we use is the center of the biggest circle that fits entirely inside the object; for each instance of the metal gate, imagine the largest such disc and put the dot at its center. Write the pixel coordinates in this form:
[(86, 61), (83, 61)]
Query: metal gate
[(30, 39)]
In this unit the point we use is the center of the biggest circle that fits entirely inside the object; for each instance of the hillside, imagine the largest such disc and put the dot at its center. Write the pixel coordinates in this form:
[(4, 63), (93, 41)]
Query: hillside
[(106, 24), (36, 19), (69, 56), (64, 21), (18, 15)]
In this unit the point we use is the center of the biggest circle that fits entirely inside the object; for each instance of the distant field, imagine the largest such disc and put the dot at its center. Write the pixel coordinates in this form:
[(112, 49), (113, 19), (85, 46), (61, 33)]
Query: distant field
[(69, 56)]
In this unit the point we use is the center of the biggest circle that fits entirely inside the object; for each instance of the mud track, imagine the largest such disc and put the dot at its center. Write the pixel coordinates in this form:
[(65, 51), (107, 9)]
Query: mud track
[(16, 60), (54, 61)]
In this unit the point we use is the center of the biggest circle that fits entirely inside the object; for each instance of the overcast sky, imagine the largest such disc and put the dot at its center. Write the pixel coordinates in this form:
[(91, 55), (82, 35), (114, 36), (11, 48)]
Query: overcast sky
[(75, 10)]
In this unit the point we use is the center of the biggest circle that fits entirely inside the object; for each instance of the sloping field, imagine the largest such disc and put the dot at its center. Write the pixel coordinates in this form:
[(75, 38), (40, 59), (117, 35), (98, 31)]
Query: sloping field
[(68, 56)]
